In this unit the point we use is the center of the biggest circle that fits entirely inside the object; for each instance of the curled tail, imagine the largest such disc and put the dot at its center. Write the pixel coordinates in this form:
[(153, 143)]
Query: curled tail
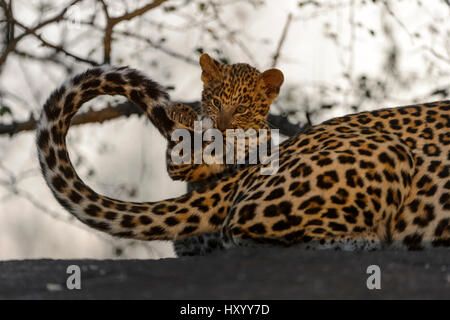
[(169, 219)]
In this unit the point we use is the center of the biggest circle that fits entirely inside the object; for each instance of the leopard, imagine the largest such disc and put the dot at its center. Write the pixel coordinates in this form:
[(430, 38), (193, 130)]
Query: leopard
[(230, 100), (366, 181)]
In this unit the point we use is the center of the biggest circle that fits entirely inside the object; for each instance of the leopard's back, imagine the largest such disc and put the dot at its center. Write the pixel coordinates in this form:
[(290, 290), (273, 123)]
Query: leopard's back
[(362, 181), (425, 130)]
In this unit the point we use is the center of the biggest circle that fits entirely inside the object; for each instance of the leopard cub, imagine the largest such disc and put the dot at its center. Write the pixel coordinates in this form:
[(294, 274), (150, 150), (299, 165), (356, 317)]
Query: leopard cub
[(233, 97)]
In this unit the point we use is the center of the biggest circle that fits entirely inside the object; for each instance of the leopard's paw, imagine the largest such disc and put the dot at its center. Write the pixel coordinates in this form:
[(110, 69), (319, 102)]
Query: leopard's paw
[(198, 245), (182, 114)]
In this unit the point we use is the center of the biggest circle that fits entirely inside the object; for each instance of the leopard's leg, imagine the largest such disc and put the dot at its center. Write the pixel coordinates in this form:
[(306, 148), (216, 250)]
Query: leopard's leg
[(362, 242), (367, 241), (199, 245), (204, 243), (184, 117)]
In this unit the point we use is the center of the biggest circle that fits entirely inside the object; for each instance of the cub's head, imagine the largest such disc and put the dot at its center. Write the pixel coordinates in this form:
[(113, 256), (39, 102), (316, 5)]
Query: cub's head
[(238, 95)]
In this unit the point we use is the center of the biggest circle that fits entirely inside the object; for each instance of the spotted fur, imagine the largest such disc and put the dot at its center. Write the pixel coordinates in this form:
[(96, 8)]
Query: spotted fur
[(235, 96), (361, 181)]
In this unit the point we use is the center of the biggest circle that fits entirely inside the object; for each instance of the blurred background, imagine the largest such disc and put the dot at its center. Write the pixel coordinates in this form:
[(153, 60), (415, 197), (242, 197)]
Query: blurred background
[(338, 57)]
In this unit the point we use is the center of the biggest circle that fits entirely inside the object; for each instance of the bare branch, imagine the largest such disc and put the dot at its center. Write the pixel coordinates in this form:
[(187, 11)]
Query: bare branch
[(13, 43), (148, 41), (53, 58), (281, 41), (125, 110), (7, 9), (437, 54), (112, 22), (105, 9), (394, 16), (57, 47), (165, 50), (108, 113), (231, 35)]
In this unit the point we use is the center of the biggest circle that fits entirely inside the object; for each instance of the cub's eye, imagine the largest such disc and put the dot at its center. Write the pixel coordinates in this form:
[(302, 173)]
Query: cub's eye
[(240, 109), (216, 103)]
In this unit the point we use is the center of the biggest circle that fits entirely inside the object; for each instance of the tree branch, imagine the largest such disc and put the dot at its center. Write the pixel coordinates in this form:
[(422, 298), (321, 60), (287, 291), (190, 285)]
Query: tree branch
[(56, 47), (13, 43), (112, 22), (53, 58), (127, 109), (281, 41)]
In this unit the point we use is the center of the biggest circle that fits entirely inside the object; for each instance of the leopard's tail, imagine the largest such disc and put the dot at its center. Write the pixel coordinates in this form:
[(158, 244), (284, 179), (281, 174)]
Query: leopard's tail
[(167, 219)]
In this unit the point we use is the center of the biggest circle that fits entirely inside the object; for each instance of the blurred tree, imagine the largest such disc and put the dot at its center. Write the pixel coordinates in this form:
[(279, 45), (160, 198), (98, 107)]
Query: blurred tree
[(60, 38)]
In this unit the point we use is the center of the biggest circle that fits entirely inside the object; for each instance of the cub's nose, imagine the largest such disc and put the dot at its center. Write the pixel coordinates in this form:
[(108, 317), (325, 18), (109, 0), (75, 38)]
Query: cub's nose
[(223, 120)]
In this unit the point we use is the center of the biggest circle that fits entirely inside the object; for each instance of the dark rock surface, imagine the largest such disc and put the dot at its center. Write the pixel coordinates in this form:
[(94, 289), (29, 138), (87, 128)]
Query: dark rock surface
[(242, 273)]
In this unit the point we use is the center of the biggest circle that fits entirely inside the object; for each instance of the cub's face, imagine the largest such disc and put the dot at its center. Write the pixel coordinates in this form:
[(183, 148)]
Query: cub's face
[(238, 96)]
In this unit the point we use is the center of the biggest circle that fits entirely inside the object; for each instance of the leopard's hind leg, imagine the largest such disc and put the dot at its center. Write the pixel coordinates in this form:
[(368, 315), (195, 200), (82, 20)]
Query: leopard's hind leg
[(365, 241), (199, 245)]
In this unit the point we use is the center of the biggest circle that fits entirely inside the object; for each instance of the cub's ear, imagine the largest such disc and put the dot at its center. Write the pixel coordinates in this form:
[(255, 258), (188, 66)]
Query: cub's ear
[(271, 81), (211, 69)]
